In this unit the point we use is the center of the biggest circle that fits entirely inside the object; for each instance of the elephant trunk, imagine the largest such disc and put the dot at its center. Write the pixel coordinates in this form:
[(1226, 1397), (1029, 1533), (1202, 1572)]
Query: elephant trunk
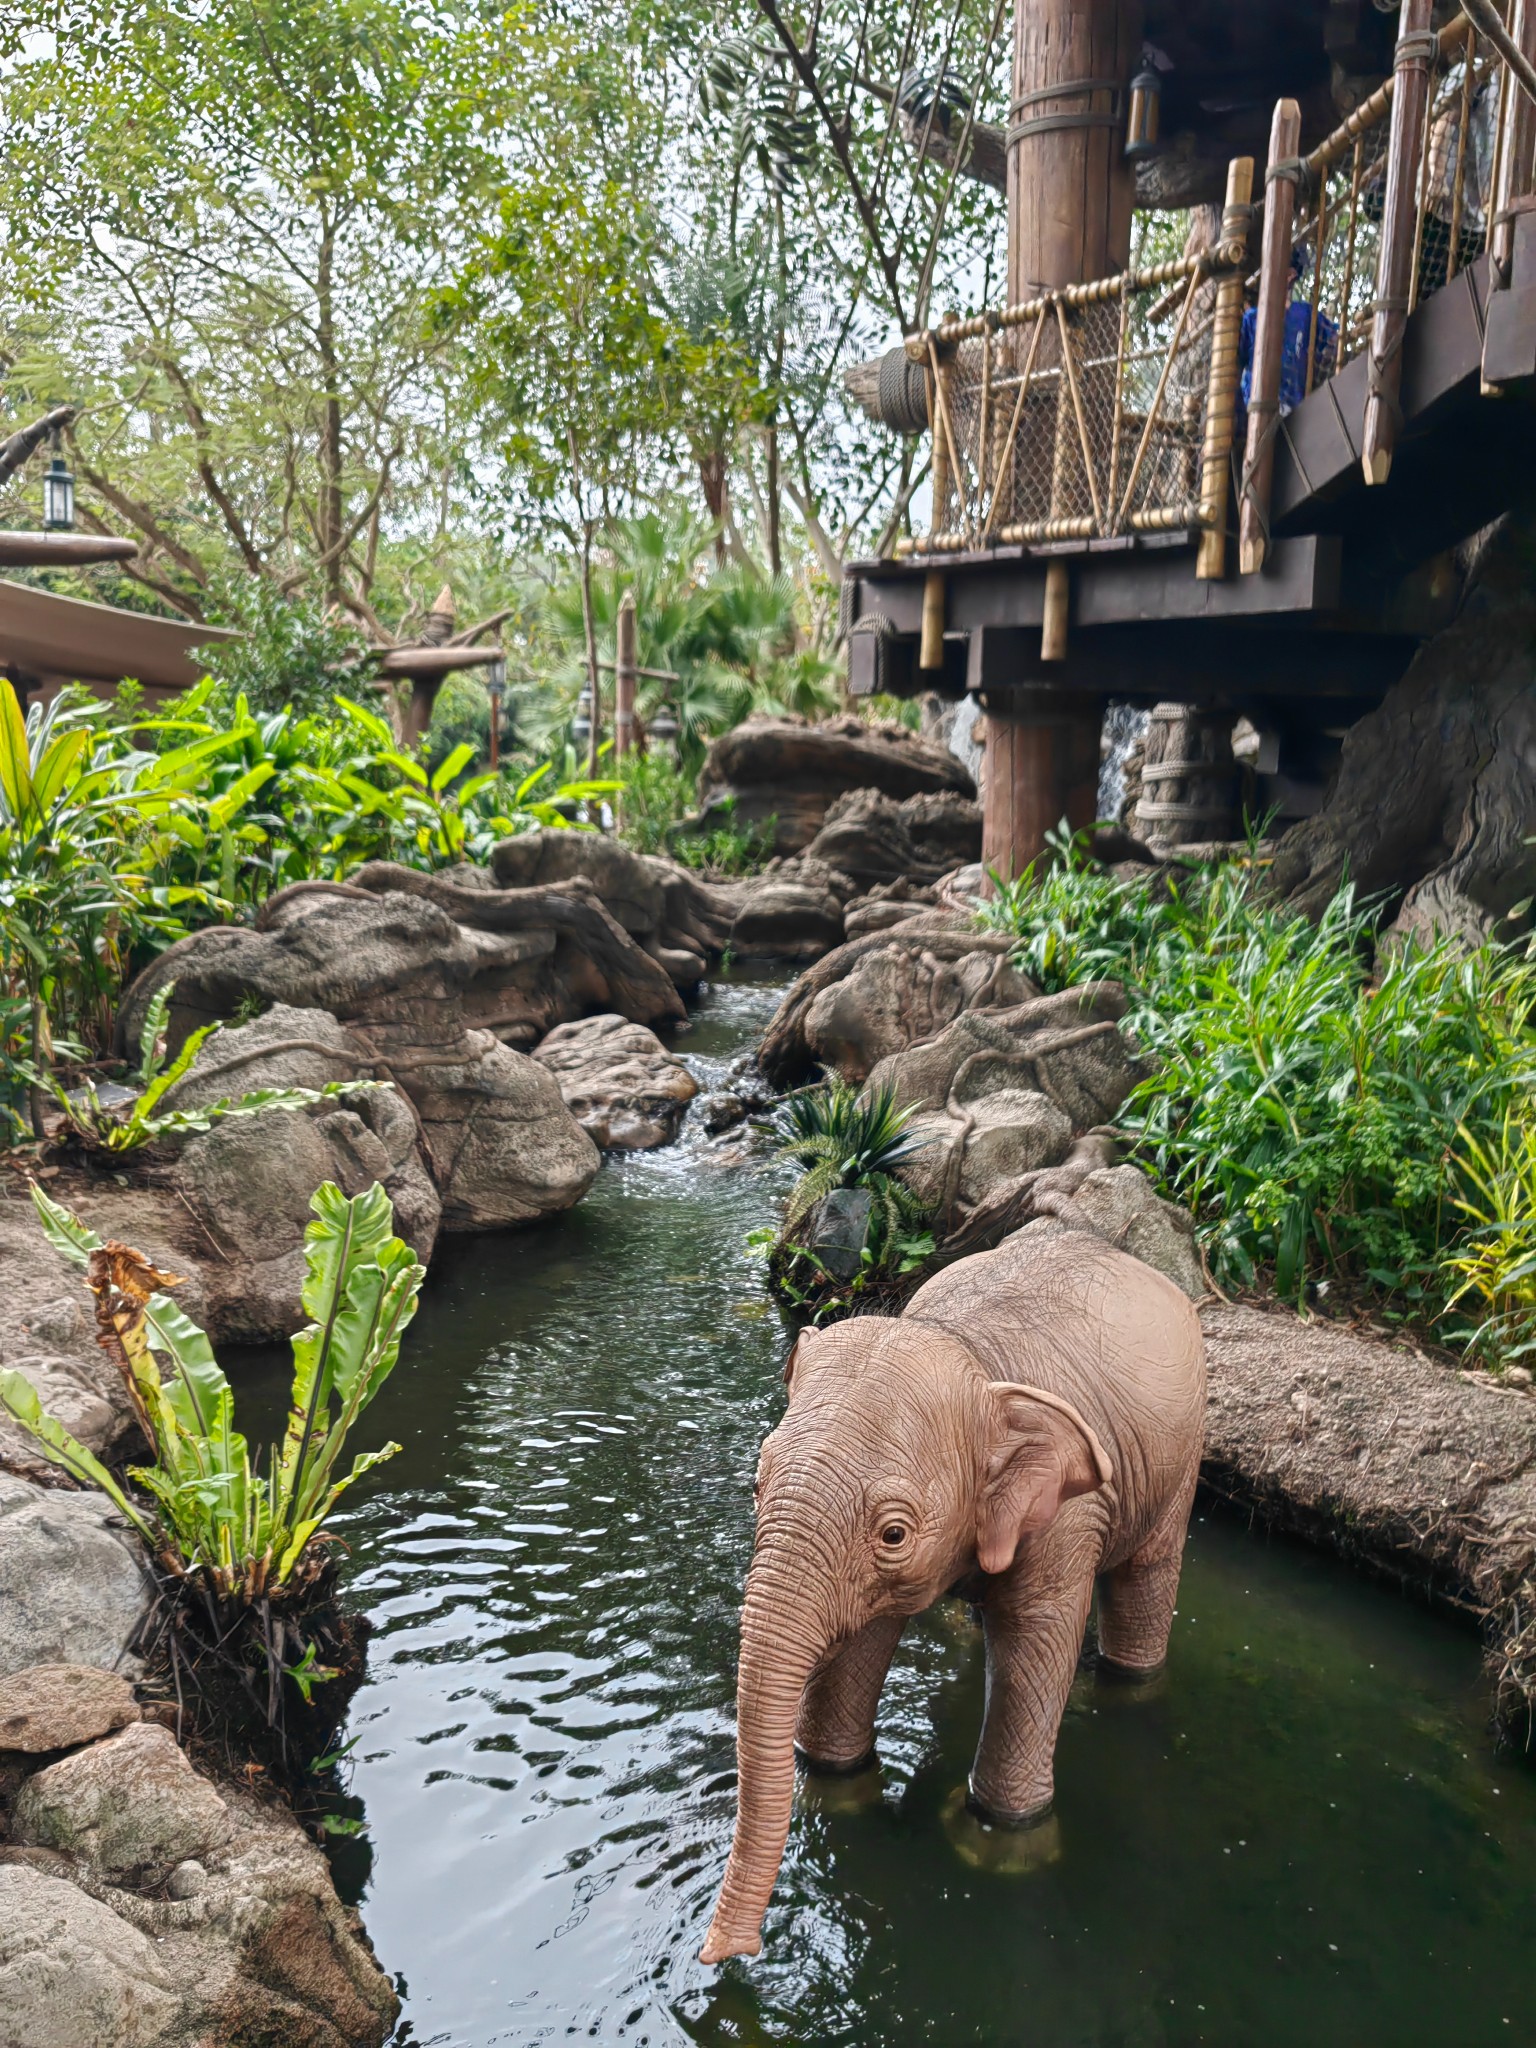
[(780, 1649)]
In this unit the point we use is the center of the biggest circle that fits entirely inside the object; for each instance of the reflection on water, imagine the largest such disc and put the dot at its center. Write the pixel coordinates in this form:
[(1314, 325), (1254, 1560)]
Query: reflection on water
[(1300, 1838)]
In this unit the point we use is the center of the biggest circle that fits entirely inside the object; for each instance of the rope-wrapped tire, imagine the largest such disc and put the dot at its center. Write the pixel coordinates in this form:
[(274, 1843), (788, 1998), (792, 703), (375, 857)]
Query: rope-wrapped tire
[(903, 393)]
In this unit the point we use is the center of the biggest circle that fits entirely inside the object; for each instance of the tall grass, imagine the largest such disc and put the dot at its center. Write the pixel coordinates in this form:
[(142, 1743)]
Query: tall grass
[(1323, 1109)]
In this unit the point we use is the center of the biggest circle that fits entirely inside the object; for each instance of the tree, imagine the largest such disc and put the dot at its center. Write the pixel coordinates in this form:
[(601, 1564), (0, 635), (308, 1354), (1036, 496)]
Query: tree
[(224, 229)]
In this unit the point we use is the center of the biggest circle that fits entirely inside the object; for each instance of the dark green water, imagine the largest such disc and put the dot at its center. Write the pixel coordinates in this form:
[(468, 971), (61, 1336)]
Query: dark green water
[(1304, 1839)]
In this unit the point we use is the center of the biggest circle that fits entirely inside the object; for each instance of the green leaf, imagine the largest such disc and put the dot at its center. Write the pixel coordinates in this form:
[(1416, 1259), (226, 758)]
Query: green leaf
[(15, 760), (20, 1399), (453, 764)]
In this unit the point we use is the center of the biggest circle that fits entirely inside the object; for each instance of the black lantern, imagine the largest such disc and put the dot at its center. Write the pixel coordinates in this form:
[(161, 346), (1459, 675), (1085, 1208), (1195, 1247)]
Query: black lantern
[(663, 728), (58, 494), (496, 690), (1143, 124)]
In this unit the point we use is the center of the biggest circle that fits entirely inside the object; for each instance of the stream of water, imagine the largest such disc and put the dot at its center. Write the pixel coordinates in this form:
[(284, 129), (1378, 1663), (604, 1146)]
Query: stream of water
[(1303, 1838)]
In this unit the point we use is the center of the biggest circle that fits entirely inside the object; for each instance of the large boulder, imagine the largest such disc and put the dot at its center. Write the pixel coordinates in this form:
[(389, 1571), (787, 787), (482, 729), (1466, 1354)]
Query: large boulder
[(628, 1093), (105, 1943), (59, 1706), (791, 771), (383, 976), (874, 839), (73, 1584), (672, 914), (247, 1182), (1120, 1205), (128, 1806), (878, 994), (792, 911)]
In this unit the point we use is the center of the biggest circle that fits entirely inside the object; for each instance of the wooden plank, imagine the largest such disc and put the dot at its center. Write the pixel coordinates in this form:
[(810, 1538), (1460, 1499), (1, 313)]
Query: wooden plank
[(1509, 347), (1194, 664)]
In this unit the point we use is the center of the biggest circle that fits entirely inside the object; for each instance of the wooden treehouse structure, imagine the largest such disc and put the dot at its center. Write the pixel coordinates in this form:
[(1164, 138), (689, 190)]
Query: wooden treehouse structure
[(1137, 495)]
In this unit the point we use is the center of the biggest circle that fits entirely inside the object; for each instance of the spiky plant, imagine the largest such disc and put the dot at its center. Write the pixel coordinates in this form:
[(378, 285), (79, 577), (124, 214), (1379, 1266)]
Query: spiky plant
[(846, 1139)]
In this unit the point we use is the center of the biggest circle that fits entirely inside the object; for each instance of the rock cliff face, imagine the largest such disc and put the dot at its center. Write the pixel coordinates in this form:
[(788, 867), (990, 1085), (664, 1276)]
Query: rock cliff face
[(1434, 802), (792, 771)]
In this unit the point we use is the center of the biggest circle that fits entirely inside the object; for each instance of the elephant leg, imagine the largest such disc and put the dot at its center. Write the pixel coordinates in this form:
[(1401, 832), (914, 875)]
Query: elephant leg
[(1136, 1599), (836, 1727), (1035, 1623)]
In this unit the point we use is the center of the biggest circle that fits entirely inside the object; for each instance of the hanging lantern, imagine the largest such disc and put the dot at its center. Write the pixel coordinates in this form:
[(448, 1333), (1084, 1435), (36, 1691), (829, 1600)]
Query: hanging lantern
[(1142, 128), (663, 728), (496, 690), (58, 494)]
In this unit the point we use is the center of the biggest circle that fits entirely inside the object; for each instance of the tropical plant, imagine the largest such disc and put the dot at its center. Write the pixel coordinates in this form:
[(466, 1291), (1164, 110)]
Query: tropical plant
[(244, 1527), (1496, 1264), (846, 1139), (1309, 1091), (119, 1131)]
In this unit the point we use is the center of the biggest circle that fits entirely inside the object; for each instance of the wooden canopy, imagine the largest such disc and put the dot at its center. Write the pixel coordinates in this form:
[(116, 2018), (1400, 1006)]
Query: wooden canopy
[(47, 641)]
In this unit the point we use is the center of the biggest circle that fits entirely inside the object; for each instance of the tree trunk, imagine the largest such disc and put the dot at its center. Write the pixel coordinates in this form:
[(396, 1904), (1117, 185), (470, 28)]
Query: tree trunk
[(330, 509), (1434, 802)]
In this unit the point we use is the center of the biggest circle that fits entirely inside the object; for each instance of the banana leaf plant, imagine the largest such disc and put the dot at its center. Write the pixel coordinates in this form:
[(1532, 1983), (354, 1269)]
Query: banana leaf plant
[(245, 1527)]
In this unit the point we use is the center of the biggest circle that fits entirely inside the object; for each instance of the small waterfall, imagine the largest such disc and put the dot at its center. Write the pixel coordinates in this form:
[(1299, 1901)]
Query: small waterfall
[(1125, 727)]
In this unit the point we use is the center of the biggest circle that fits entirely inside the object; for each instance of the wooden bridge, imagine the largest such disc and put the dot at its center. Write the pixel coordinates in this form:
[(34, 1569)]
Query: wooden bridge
[(1110, 518)]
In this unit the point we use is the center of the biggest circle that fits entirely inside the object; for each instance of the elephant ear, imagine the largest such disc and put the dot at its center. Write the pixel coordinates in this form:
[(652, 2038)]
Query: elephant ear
[(1041, 1453), (794, 1365)]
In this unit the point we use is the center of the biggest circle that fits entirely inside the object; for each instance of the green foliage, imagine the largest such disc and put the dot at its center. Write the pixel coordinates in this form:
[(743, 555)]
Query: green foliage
[(292, 655), (244, 1526), (1496, 1265), (846, 1139), (118, 1133), (1318, 1106)]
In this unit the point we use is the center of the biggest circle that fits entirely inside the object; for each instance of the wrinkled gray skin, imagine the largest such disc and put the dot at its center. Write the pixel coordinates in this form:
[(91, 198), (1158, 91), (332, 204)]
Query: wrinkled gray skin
[(1030, 1428)]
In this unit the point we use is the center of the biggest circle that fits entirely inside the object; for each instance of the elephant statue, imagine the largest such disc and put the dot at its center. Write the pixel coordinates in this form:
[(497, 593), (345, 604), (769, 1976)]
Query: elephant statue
[(1028, 1429)]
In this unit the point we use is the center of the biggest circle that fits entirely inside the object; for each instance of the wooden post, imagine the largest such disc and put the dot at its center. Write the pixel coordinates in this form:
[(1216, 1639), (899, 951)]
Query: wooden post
[(930, 653), (1518, 120), (1042, 767), (624, 673), (1221, 393), (1058, 604), (1280, 182), (1071, 190), (1417, 49)]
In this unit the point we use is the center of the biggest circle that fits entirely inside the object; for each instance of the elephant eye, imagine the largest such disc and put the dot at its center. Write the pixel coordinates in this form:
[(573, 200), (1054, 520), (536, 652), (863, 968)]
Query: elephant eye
[(892, 1534)]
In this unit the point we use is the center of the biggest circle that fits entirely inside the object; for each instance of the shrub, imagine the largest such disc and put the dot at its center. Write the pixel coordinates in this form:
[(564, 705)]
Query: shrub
[(1317, 1107)]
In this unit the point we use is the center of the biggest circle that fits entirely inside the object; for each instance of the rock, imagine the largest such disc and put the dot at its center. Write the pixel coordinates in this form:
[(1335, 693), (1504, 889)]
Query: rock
[(628, 1093), (73, 1585), (505, 1148), (498, 1143), (673, 914), (131, 1805), (869, 836), (1436, 788), (59, 1706), (886, 906), (74, 1975), (247, 1944), (76, 1395), (792, 911), (837, 1230), (747, 1093), (1069, 1046), (1120, 1205), (876, 995), (791, 770), (962, 1157), (247, 1182)]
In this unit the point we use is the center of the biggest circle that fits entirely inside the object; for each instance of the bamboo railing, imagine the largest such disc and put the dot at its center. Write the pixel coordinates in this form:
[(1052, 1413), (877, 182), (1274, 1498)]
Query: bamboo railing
[(1109, 409)]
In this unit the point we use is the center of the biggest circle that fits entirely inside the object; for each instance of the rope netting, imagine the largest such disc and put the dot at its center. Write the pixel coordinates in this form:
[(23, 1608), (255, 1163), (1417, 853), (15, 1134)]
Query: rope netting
[(1339, 230), (1074, 421)]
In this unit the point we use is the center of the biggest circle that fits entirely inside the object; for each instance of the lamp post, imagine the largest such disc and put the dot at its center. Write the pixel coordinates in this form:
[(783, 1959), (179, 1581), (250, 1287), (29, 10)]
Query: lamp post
[(58, 493), (496, 690)]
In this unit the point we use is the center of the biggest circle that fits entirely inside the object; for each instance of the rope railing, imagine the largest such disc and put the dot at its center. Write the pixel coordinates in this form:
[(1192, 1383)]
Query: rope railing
[(1105, 410)]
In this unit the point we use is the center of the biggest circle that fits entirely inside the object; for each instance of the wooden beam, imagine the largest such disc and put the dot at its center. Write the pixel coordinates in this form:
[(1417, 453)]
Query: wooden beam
[(1280, 181), (1221, 395), (624, 673), (1417, 50)]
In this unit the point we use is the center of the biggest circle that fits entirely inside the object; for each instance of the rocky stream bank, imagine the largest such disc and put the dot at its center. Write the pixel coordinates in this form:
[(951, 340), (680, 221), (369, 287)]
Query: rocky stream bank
[(519, 1019)]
